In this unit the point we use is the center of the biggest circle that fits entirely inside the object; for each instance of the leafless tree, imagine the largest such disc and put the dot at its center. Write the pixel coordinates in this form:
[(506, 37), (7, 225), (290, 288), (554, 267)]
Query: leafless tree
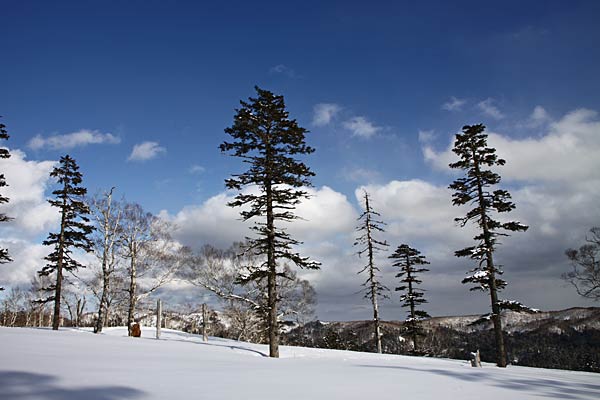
[(149, 252), (246, 305), (585, 275), (106, 215)]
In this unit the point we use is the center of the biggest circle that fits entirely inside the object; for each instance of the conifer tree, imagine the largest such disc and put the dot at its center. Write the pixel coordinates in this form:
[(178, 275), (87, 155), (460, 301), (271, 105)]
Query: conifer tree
[(74, 230), (410, 262), (4, 153), (475, 190), (269, 141), (369, 245)]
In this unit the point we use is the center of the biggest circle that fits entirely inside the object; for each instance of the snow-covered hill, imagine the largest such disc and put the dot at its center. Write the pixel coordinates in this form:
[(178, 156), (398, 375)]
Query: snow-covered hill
[(577, 318), (78, 365)]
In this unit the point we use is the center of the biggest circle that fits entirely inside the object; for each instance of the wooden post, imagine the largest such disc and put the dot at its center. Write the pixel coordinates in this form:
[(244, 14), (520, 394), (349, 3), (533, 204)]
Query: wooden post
[(158, 317), (204, 334), (476, 359)]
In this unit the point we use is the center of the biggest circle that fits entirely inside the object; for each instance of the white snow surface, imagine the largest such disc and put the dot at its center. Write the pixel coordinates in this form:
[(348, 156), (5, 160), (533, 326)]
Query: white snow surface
[(79, 365)]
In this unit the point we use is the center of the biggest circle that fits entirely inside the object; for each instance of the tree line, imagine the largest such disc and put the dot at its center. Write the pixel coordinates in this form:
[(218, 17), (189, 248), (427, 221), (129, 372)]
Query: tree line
[(135, 254)]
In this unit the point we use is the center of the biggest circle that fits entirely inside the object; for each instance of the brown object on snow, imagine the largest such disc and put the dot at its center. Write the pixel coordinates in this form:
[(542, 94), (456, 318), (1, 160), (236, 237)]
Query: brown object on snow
[(136, 331)]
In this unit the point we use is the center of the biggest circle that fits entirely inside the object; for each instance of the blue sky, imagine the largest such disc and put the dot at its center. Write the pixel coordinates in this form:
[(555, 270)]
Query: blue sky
[(172, 73)]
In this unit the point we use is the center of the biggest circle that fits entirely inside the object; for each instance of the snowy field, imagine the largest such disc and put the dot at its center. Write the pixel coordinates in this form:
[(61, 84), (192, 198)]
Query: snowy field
[(78, 365)]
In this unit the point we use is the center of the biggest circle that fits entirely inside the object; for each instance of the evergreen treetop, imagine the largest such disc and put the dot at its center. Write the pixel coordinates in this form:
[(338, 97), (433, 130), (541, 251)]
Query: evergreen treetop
[(4, 153), (75, 227)]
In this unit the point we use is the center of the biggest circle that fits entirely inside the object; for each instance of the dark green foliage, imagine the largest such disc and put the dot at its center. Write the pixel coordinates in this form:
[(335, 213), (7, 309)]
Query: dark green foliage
[(475, 191), (585, 275), (74, 229), (410, 262), (265, 138), (4, 153)]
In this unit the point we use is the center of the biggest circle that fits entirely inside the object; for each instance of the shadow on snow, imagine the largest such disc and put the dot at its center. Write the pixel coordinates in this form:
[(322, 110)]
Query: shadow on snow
[(541, 387), (19, 385)]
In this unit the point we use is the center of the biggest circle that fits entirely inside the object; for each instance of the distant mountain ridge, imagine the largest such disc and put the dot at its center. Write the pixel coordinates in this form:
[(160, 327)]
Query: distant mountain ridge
[(565, 339)]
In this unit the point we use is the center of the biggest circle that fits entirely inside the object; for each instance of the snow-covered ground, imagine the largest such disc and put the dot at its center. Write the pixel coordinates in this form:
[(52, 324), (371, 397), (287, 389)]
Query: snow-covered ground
[(78, 365)]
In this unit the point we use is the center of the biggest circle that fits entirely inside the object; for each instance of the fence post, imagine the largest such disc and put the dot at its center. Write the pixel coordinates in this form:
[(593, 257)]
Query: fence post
[(158, 317), (204, 334)]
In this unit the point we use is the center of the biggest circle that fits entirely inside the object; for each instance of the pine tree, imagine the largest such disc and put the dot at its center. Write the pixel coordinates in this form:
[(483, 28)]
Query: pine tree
[(265, 137), (74, 230), (410, 262), (370, 245), (474, 190), (4, 153)]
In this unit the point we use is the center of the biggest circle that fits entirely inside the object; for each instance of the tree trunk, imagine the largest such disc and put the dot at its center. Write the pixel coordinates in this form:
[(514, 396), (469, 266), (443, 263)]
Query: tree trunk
[(59, 265), (132, 289), (496, 318), (372, 277), (102, 306), (412, 304), (204, 321), (158, 317), (272, 278)]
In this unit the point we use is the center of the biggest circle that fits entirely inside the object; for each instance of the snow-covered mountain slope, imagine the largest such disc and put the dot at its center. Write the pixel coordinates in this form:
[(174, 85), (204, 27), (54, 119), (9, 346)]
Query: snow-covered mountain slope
[(577, 318), (78, 365)]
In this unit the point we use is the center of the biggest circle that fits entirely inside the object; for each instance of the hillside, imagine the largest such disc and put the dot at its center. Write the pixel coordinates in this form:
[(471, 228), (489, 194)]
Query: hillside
[(75, 364), (566, 339)]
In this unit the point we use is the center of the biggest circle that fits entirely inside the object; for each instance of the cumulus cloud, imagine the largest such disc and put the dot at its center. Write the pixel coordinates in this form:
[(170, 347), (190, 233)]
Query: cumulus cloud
[(555, 185), (27, 183), (326, 212), (568, 152), (538, 117), (28, 258), (361, 127), (454, 104), (32, 216), (323, 113), (146, 151), (67, 141), (426, 136), (488, 108)]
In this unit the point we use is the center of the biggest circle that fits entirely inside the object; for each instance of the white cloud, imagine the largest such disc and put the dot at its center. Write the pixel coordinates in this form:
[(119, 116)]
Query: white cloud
[(28, 258), (27, 183), (539, 117), (325, 212), (284, 70), (146, 151), (324, 113), (67, 141), (568, 152), (361, 127), (196, 169), (360, 175), (454, 104), (426, 136), (488, 108)]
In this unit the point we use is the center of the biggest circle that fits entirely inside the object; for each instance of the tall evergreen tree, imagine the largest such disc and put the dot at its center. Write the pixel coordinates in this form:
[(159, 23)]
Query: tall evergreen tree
[(474, 190), (74, 229), (265, 137), (369, 245), (410, 261), (4, 153)]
